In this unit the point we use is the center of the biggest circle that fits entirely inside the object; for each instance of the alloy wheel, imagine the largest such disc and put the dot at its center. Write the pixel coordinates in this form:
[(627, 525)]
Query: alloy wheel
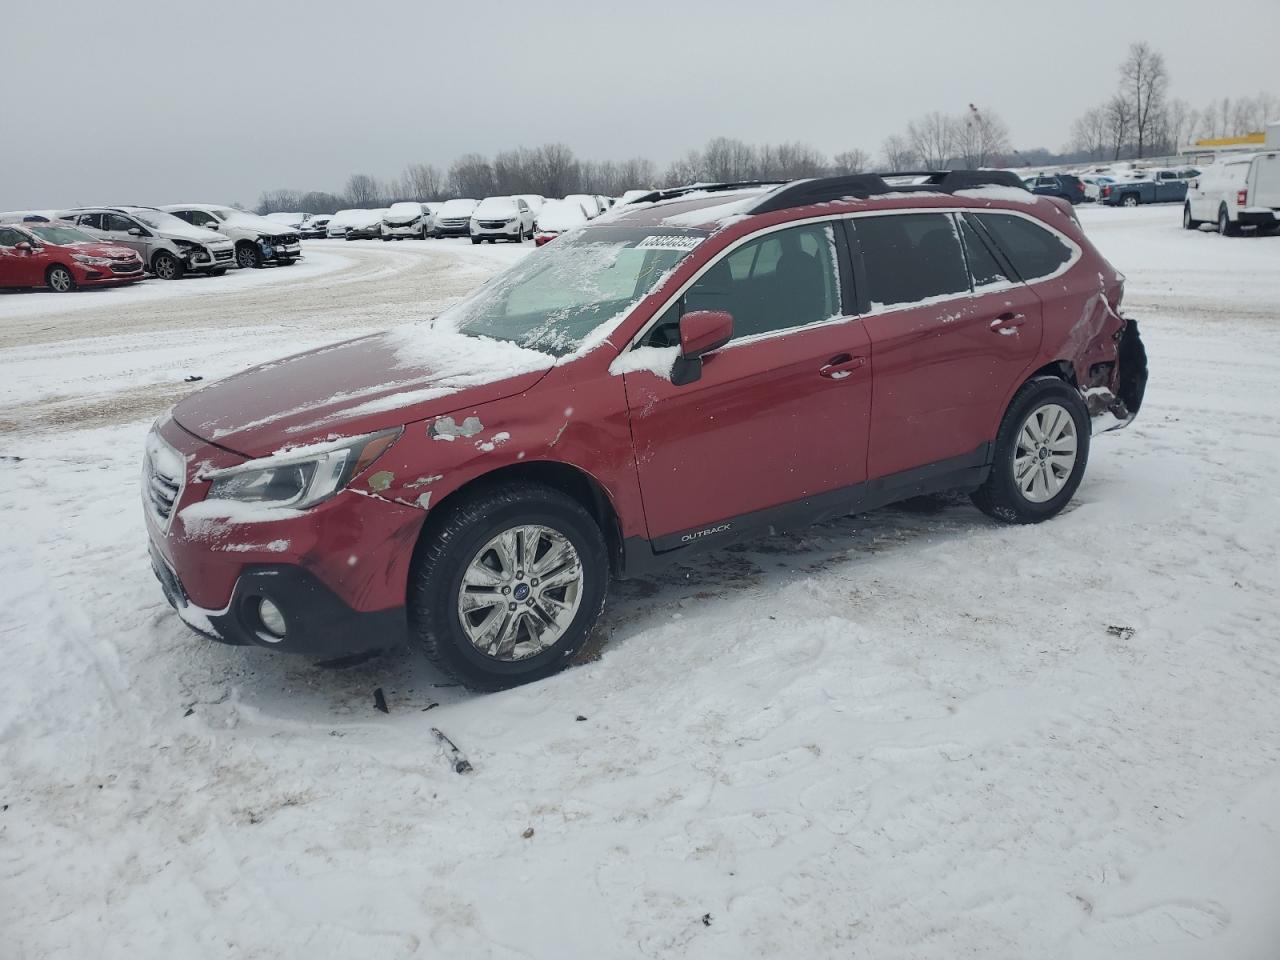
[(166, 267), (60, 279), (1046, 453), (520, 592)]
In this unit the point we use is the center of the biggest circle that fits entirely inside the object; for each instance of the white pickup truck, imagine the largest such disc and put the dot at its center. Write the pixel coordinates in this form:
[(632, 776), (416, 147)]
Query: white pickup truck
[(1234, 192)]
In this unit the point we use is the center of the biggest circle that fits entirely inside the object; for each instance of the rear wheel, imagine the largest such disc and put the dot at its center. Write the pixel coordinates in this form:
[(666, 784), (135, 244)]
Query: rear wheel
[(60, 279), (507, 588), (1130, 200), (1041, 453), (248, 257), (1225, 227), (167, 267)]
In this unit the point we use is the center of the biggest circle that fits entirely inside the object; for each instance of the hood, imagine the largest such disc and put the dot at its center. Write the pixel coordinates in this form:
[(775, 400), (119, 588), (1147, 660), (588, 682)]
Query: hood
[(112, 251), (262, 225), (358, 386), (189, 232)]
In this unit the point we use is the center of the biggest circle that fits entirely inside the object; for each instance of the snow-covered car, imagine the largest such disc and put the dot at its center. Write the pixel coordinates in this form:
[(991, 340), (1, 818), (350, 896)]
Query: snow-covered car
[(368, 227), (1235, 192), (557, 217), (168, 246), (62, 257), (534, 200), (344, 220), (406, 219), (589, 203), (316, 227), (258, 240), (501, 218), (295, 220), (453, 218)]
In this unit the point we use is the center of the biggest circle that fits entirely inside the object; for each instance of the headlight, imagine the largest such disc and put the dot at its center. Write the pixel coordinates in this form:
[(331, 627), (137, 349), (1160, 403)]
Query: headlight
[(90, 261), (299, 478)]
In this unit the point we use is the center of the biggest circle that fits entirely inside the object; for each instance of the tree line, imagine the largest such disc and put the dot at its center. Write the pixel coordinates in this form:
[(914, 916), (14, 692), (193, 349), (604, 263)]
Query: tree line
[(1141, 120)]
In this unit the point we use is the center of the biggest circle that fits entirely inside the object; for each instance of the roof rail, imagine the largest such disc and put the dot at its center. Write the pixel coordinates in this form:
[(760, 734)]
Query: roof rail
[(799, 193), (670, 193)]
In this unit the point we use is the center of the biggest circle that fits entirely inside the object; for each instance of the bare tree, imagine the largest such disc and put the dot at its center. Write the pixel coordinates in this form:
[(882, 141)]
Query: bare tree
[(849, 161), (1119, 123), (422, 181), (471, 175), (363, 190), (981, 137), (1144, 82), (933, 139), (557, 170), (898, 154), (1091, 133)]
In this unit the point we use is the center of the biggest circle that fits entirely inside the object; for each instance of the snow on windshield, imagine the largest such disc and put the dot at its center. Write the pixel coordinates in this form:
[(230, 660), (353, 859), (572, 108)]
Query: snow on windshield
[(456, 208), (572, 294), (496, 207), (560, 215)]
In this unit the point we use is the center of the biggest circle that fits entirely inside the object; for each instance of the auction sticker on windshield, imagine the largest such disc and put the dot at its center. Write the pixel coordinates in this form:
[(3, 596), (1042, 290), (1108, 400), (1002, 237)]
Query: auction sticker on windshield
[(669, 242)]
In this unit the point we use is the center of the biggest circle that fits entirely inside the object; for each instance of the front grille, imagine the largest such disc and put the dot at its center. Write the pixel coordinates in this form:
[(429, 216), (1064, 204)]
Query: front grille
[(134, 267), (222, 254), (163, 474), (459, 222), (492, 224), (286, 240)]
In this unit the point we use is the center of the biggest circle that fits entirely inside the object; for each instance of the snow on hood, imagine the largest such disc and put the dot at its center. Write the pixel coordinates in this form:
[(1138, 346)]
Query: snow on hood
[(186, 231), (385, 380), (249, 221)]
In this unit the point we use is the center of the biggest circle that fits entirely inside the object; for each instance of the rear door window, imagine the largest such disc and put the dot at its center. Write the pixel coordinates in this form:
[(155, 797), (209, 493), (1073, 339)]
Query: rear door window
[(119, 224), (1034, 251), (984, 270), (911, 257)]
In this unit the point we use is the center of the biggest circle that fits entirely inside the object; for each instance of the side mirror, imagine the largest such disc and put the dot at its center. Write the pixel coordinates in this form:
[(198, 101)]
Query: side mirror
[(22, 246), (701, 331), (135, 231)]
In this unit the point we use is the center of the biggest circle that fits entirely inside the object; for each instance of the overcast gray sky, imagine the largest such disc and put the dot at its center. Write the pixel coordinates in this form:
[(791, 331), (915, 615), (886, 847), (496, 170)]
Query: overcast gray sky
[(132, 102)]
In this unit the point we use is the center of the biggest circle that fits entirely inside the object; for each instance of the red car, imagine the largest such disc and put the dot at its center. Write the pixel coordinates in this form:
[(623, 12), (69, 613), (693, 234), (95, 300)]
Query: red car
[(62, 257), (703, 366)]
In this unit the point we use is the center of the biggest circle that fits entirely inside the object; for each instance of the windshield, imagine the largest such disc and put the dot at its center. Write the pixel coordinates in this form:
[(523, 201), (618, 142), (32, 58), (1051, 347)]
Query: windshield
[(553, 299), (496, 207), (560, 215), (406, 209), (60, 235), (457, 208), (159, 220)]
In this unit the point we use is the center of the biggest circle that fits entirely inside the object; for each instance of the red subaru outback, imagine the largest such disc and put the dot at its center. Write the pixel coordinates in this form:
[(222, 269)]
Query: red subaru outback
[(703, 366)]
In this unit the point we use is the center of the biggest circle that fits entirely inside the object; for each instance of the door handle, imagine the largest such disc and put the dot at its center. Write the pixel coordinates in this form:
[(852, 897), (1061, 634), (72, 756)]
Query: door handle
[(1007, 322), (841, 366)]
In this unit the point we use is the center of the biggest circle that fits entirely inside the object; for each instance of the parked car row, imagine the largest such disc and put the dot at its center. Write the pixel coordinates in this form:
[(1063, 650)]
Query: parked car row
[(167, 242)]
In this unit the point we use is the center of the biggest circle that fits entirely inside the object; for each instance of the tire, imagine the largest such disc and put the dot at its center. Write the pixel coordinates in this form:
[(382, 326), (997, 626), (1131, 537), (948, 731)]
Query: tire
[(168, 267), (1039, 403), (59, 279), (1225, 227), (1187, 222), (460, 546), (475, 240), (386, 239), (248, 256), (1130, 200)]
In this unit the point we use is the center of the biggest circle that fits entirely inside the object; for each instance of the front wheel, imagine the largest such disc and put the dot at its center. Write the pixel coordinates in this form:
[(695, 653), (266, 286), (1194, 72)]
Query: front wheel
[(508, 587), (60, 279), (1187, 222), (475, 239), (248, 257), (167, 267), (1041, 452)]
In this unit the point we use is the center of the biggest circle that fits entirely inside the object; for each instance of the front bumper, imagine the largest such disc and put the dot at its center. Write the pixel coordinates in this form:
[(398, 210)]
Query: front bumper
[(338, 571), (99, 275), (219, 256), (402, 230), (457, 228), (283, 251), (506, 231), (364, 233)]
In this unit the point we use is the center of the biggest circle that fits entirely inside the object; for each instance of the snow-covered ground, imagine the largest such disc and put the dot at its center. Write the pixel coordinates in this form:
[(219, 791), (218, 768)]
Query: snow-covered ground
[(908, 734)]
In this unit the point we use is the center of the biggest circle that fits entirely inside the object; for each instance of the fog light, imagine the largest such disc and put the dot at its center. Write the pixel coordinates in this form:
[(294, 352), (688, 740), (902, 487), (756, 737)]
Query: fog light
[(272, 619)]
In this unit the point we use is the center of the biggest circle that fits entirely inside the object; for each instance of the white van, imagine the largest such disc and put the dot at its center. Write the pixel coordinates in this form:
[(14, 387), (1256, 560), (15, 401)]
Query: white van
[(1235, 192)]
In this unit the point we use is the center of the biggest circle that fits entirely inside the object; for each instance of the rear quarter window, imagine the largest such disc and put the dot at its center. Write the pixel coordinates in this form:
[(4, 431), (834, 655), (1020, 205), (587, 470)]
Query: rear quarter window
[(1034, 251)]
